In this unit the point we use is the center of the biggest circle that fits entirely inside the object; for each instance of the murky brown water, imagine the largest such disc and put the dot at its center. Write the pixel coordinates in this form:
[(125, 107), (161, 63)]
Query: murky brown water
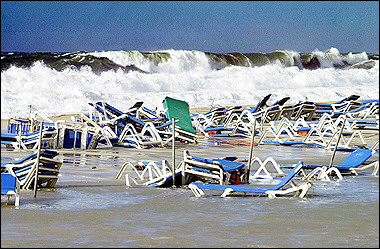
[(89, 208)]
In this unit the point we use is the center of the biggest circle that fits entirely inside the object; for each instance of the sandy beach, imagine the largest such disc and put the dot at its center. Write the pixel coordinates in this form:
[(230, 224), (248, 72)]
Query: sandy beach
[(90, 208)]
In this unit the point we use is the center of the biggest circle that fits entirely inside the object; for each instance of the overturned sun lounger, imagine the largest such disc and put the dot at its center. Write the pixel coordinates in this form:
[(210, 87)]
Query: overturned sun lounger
[(212, 170), (149, 174)]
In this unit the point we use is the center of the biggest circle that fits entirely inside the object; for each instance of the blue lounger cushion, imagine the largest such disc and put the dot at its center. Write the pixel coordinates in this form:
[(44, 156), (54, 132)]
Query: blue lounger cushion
[(236, 188), (46, 153), (8, 183), (217, 128), (227, 166), (285, 142)]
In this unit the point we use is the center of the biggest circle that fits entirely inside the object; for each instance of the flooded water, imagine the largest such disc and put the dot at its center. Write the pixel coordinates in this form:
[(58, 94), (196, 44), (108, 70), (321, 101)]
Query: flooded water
[(89, 208)]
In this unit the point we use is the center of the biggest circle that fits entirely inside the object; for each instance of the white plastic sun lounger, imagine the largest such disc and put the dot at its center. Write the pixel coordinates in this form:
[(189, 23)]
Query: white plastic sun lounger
[(350, 165), (148, 174), (214, 170), (25, 168), (280, 189), (30, 140)]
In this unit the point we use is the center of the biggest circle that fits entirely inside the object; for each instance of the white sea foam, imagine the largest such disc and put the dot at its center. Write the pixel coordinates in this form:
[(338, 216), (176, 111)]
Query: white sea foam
[(180, 61), (188, 76), (333, 57)]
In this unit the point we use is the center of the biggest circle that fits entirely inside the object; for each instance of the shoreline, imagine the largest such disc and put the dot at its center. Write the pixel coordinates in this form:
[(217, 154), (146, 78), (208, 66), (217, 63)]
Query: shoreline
[(195, 110)]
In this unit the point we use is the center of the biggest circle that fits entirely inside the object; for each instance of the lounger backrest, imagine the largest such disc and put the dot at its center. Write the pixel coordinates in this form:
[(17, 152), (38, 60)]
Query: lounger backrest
[(227, 166), (230, 166), (282, 101), (355, 159), (134, 120), (204, 160), (261, 104), (137, 105), (288, 177), (349, 98), (112, 109), (264, 101), (43, 153), (30, 156), (8, 183)]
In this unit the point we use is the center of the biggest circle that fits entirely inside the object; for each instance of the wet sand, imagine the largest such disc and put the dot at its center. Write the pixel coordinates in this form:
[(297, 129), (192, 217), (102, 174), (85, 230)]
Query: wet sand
[(90, 208)]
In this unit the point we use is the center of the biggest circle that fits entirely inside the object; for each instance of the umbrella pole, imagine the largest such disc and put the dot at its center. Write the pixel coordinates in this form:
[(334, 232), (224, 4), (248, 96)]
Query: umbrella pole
[(248, 166), (38, 160), (173, 151), (336, 145)]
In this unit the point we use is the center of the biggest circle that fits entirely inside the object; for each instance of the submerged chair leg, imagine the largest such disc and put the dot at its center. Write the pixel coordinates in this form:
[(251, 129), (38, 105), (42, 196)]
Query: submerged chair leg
[(227, 192), (324, 173), (303, 187), (128, 181), (321, 176), (17, 195), (196, 191), (337, 172), (375, 166)]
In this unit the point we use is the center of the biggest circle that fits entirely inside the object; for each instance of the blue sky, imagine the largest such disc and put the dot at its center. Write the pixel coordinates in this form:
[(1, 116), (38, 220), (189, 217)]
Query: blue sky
[(211, 26)]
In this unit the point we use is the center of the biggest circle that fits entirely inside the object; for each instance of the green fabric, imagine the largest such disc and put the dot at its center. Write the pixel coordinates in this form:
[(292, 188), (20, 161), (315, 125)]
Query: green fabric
[(179, 110)]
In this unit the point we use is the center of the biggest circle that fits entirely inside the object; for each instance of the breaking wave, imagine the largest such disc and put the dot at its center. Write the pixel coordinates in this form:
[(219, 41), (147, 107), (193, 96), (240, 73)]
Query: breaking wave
[(64, 83)]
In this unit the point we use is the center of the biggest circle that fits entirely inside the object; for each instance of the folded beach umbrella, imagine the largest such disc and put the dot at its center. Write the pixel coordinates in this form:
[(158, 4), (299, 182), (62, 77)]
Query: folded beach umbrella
[(179, 110)]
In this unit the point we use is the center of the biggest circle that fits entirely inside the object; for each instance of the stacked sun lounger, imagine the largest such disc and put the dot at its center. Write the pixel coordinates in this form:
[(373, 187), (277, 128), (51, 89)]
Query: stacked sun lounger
[(221, 171), (25, 169), (322, 133), (238, 121), (227, 122), (140, 127), (24, 134)]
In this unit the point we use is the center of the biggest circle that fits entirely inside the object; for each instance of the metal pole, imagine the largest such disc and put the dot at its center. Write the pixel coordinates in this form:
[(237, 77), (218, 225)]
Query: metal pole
[(30, 110), (247, 169), (38, 160), (173, 151), (19, 132), (336, 145)]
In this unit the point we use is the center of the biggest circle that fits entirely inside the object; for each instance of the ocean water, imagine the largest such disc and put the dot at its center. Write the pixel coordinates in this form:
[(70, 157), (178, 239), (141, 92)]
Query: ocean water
[(89, 208), (64, 83)]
